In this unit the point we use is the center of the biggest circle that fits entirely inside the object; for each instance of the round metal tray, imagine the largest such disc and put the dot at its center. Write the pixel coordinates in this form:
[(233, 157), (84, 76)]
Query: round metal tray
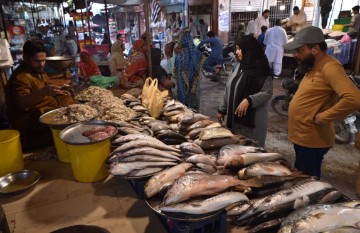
[(18, 182), (73, 134), (155, 202), (52, 121)]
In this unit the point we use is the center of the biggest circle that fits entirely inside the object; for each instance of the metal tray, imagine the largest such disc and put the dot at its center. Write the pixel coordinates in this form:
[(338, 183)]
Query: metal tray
[(73, 133), (18, 182), (155, 202), (50, 119)]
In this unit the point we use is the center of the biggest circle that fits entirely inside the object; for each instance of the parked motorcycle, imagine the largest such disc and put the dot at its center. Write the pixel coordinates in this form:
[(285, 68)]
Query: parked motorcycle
[(345, 130), (280, 104)]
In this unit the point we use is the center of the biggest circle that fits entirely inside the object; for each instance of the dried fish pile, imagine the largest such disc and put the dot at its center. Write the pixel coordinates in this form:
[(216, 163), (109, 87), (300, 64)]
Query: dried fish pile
[(93, 92), (77, 112), (140, 155)]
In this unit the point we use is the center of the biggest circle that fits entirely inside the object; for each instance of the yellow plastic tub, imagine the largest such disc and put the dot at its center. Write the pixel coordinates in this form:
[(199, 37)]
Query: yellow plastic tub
[(61, 147), (88, 161), (337, 27), (11, 156)]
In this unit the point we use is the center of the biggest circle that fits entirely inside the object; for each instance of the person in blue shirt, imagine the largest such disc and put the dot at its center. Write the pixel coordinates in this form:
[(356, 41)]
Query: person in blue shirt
[(261, 37), (216, 55)]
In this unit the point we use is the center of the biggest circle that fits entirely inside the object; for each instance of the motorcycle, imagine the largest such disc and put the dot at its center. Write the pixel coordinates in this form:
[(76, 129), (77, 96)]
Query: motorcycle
[(280, 104), (345, 130)]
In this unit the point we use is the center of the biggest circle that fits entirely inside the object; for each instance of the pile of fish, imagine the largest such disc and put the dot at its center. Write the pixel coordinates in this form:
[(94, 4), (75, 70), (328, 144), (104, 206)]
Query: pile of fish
[(185, 191), (126, 128), (141, 155), (215, 138), (165, 133), (342, 217), (173, 111)]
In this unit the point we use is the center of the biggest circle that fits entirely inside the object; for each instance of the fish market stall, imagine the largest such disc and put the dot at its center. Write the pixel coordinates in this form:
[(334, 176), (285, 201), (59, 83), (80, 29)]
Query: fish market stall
[(192, 173)]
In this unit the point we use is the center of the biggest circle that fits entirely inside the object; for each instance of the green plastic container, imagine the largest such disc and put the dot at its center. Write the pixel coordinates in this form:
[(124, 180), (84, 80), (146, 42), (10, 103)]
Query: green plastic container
[(342, 21)]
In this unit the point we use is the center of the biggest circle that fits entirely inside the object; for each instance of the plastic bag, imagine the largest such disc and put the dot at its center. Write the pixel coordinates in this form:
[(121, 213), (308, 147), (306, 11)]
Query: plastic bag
[(346, 38), (103, 81), (153, 98), (150, 86)]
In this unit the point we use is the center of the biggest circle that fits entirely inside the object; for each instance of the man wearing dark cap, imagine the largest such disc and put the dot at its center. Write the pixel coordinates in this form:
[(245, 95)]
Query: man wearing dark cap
[(297, 21), (325, 95)]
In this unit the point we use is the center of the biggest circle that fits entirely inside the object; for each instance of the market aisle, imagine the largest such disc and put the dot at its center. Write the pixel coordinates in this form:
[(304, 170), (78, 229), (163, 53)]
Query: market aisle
[(58, 201)]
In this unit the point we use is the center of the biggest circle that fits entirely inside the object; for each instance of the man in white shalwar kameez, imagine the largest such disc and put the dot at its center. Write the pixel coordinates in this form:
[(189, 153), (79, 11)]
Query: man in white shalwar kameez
[(297, 21), (275, 38), (263, 20), (251, 27)]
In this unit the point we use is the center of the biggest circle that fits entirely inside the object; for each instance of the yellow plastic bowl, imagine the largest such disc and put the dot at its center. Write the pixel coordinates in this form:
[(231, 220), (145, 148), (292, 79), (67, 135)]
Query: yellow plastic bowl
[(338, 27), (11, 156), (88, 161), (61, 147)]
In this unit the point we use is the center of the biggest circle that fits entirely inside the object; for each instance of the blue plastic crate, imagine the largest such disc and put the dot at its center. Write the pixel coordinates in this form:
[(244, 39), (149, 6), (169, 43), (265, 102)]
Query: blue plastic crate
[(344, 55), (352, 49), (215, 224), (138, 186)]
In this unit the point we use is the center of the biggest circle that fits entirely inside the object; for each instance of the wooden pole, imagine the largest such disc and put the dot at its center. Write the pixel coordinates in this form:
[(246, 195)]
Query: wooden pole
[(148, 39), (107, 22), (215, 17)]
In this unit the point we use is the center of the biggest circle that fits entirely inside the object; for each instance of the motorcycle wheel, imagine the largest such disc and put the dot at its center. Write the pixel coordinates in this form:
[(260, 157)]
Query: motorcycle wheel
[(342, 132), (279, 105)]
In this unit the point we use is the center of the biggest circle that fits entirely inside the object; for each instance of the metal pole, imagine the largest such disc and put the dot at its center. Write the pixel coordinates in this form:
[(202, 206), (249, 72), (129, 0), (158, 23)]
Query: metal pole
[(88, 20), (148, 42), (107, 22), (83, 26), (32, 13), (3, 22)]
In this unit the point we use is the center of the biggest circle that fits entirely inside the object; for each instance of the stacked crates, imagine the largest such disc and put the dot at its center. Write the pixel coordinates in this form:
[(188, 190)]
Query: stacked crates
[(339, 24)]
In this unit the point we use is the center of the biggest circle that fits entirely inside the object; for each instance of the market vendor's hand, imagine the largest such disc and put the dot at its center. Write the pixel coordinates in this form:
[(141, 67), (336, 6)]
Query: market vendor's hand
[(51, 90), (242, 108), (220, 118), (318, 120)]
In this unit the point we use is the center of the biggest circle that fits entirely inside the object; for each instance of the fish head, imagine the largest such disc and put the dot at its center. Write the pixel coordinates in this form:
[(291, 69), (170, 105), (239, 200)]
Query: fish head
[(285, 229)]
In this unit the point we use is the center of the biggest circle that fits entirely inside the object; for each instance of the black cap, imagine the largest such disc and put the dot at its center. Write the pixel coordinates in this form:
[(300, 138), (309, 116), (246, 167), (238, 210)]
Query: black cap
[(308, 35)]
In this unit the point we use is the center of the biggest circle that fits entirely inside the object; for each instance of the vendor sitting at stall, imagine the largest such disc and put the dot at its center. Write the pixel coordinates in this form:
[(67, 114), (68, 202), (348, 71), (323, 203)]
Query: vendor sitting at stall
[(297, 21), (159, 72), (354, 25), (87, 66), (28, 97)]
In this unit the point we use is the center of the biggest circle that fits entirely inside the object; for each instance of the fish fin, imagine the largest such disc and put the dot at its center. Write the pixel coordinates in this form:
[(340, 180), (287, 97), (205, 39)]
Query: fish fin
[(254, 182), (318, 215)]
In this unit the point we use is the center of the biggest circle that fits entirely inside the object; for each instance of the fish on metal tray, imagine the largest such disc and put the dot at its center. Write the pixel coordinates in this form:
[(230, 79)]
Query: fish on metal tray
[(215, 133), (264, 168), (191, 118), (151, 151), (145, 171), (190, 147), (122, 169), (323, 218), (193, 185), (230, 152), (285, 196), (250, 158), (215, 142), (146, 143), (208, 205), (200, 124), (146, 158), (193, 134), (201, 158), (165, 179)]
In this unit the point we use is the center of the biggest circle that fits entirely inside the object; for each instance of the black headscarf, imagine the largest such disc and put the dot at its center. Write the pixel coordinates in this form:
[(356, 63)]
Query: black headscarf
[(253, 71), (157, 71)]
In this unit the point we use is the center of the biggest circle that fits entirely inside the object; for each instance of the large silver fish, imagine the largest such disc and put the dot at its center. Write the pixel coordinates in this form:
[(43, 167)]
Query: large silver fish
[(286, 196), (150, 151), (230, 152), (190, 147), (145, 171), (165, 178), (200, 124), (192, 185), (215, 133), (201, 158), (122, 169), (133, 137), (191, 118), (146, 158), (264, 169), (148, 143), (215, 142), (209, 205), (250, 158), (323, 218)]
